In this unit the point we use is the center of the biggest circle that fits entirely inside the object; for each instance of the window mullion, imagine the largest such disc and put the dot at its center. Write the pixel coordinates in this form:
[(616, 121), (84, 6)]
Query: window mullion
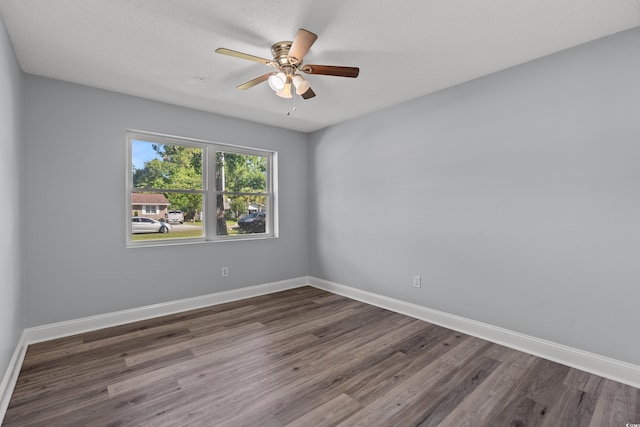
[(208, 175), (164, 190)]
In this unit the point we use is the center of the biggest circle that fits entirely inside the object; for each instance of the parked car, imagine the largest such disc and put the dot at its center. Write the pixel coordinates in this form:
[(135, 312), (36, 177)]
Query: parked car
[(253, 223), (147, 225), (175, 216)]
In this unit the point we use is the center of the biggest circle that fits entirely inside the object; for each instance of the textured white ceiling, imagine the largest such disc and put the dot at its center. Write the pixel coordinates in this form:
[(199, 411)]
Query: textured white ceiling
[(164, 49)]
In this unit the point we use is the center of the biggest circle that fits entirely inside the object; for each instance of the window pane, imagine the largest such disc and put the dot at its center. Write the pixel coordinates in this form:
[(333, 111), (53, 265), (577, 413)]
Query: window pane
[(241, 173), (244, 214), (150, 209), (165, 166), (177, 216)]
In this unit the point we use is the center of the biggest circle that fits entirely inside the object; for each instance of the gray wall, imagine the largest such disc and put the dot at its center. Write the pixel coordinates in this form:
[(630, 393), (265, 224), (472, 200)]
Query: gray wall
[(516, 197), (76, 261), (12, 309)]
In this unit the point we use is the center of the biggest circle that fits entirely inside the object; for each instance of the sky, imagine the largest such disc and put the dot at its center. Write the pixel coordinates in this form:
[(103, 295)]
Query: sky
[(141, 152)]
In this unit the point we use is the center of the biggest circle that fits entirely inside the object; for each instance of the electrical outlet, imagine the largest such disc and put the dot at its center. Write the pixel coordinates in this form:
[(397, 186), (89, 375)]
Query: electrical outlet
[(417, 281), (225, 271)]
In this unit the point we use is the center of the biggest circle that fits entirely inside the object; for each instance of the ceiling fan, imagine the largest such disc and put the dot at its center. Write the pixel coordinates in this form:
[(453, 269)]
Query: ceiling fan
[(287, 59)]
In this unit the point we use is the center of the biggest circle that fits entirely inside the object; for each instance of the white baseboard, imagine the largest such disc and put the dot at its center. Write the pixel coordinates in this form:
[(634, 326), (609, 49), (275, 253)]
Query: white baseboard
[(92, 323), (606, 367), (11, 375)]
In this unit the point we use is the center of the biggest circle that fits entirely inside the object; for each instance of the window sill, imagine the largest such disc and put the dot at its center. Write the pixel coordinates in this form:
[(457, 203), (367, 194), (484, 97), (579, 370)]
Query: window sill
[(180, 242)]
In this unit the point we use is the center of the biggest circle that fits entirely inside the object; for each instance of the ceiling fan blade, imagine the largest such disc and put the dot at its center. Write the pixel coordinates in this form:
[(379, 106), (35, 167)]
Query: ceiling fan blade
[(308, 94), (301, 45), (256, 81), (331, 70), (246, 56)]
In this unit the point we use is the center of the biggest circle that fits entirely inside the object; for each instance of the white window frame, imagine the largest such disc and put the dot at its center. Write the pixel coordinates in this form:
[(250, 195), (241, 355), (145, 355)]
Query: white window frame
[(149, 211), (209, 191)]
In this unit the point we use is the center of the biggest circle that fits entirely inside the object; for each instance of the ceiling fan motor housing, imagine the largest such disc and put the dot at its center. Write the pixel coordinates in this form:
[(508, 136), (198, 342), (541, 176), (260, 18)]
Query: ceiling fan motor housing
[(280, 53)]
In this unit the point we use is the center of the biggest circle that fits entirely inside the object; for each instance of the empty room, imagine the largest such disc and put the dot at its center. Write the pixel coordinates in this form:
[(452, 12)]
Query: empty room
[(304, 213)]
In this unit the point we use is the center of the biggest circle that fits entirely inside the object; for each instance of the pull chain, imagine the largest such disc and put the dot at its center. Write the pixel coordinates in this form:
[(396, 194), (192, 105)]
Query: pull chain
[(293, 100)]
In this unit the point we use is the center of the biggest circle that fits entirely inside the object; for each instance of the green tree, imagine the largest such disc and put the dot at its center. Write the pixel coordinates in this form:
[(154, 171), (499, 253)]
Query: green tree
[(243, 173)]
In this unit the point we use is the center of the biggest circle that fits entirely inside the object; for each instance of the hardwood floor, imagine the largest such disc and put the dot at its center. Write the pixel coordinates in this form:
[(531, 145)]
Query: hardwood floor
[(302, 357)]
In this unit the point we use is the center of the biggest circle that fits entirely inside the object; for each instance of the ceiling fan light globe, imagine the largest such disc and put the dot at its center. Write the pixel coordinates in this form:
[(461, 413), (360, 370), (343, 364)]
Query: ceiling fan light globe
[(285, 92), (277, 81), (301, 84)]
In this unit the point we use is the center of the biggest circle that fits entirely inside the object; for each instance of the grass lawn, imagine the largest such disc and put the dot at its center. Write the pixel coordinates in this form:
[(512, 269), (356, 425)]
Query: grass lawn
[(196, 232), (184, 234)]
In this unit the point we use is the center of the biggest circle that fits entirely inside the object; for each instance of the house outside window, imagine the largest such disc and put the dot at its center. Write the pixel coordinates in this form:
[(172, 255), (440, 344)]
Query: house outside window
[(154, 206), (224, 192)]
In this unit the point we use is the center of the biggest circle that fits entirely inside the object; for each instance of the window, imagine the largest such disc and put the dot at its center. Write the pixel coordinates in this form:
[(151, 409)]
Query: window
[(190, 190), (150, 209)]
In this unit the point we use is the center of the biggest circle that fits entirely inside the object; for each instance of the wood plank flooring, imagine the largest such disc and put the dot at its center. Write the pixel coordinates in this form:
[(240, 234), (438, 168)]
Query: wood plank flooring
[(302, 357)]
